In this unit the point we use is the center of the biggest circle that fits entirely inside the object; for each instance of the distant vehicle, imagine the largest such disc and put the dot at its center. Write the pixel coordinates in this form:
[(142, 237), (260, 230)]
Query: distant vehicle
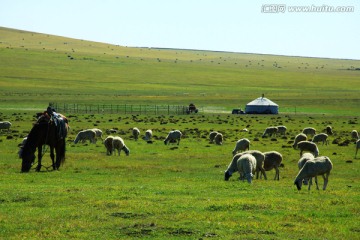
[(237, 111), (191, 109)]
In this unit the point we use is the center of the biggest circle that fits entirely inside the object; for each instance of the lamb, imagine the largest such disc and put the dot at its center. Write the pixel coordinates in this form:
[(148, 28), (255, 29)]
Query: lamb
[(272, 160), (304, 158), (84, 135), (300, 137), (135, 133), (281, 130), (270, 131), (98, 133), (5, 125), (212, 136), (312, 168), (259, 156), (108, 142), (309, 131), (357, 146), (173, 136), (354, 134), (241, 145), (219, 139), (118, 144), (308, 146), (148, 135), (321, 137)]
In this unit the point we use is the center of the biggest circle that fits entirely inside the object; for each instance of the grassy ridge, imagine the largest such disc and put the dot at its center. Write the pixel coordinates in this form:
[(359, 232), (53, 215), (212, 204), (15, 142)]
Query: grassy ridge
[(53, 68)]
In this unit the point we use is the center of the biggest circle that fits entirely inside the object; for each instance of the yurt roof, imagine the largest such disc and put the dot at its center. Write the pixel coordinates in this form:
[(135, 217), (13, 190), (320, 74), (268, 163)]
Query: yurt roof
[(262, 101)]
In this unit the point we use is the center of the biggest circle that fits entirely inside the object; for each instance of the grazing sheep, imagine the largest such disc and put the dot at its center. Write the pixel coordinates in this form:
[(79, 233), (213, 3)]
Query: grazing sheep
[(300, 137), (148, 135), (309, 131), (111, 131), (270, 131), (5, 125), (212, 136), (118, 144), (354, 134), (246, 165), (312, 168), (321, 137), (329, 130), (281, 130), (272, 160), (173, 136), (98, 133), (241, 145), (304, 158), (108, 142), (219, 139), (308, 146), (259, 156), (21, 147), (136, 133), (357, 146), (84, 135)]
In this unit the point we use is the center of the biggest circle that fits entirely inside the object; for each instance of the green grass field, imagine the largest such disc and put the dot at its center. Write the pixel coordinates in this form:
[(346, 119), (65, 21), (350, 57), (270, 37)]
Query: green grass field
[(174, 192)]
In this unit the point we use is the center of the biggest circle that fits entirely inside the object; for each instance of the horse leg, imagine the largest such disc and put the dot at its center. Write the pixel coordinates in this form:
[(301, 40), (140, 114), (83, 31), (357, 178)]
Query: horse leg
[(52, 155), (38, 167)]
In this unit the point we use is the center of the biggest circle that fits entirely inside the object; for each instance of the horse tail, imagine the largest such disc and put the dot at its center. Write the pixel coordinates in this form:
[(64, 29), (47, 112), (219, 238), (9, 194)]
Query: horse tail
[(61, 153)]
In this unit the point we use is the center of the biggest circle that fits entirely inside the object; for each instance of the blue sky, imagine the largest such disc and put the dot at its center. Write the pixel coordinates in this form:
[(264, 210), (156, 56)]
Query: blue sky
[(220, 25)]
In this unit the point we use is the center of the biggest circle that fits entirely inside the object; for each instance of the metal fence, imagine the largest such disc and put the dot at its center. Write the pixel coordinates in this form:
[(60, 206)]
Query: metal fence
[(67, 108)]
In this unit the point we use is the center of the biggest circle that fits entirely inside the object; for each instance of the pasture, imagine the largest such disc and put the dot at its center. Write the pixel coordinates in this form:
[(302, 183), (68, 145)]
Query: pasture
[(174, 192)]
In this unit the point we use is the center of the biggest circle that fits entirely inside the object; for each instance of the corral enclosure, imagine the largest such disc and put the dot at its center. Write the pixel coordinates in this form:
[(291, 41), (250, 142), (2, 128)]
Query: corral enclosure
[(173, 192)]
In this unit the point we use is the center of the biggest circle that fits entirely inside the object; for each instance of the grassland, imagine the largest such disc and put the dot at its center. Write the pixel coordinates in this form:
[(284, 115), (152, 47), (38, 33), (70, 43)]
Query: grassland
[(173, 192)]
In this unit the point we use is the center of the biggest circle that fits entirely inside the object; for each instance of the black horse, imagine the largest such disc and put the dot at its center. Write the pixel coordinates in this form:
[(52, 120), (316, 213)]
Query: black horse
[(46, 131)]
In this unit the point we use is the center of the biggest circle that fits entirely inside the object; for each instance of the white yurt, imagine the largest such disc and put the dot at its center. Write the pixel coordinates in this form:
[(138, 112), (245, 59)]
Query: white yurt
[(262, 105)]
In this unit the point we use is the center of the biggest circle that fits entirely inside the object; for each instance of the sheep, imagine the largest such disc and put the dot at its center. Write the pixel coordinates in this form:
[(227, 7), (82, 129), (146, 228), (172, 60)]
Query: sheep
[(84, 135), (5, 125), (281, 130), (321, 137), (246, 165), (219, 139), (118, 144), (354, 134), (300, 137), (309, 131), (173, 136), (108, 142), (312, 168), (272, 160), (259, 156), (308, 146), (270, 131), (357, 146), (148, 135), (98, 133), (304, 158), (110, 131), (328, 130), (241, 145), (21, 147), (136, 133), (212, 136)]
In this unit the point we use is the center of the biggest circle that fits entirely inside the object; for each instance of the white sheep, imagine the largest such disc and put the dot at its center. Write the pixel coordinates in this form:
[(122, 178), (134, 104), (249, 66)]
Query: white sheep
[(118, 144), (173, 136), (309, 147), (148, 135), (272, 160), (300, 137), (329, 130), (321, 137), (111, 131), (98, 133), (259, 156), (246, 165), (219, 139), (309, 131), (135, 133), (212, 136), (270, 131), (281, 130), (304, 158), (241, 145), (21, 146), (357, 146), (108, 142), (354, 134), (84, 135), (5, 125), (313, 168)]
